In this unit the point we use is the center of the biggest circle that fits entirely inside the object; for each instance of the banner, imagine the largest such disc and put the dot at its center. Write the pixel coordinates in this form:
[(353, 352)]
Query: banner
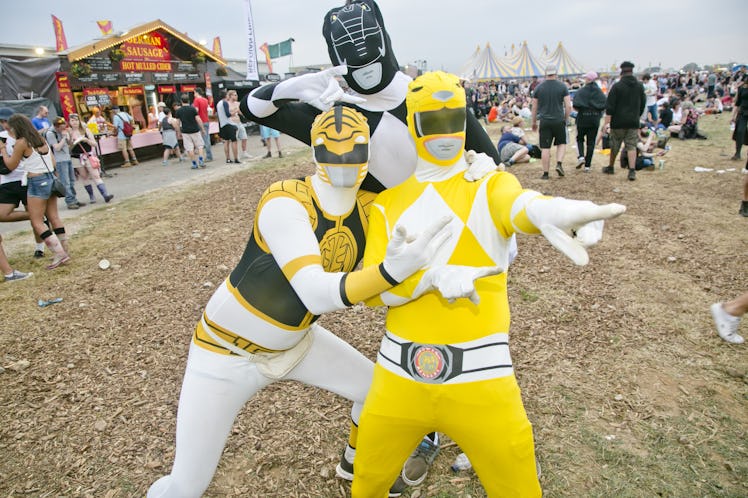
[(66, 94), (187, 88), (217, 46), (252, 72), (60, 42), (265, 51), (167, 89), (132, 90), (280, 49), (105, 27)]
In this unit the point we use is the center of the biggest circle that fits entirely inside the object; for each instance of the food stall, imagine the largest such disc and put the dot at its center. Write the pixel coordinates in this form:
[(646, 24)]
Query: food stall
[(134, 70)]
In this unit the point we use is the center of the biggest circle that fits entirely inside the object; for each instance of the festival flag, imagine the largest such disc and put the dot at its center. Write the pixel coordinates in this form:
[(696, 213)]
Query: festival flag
[(252, 73), (280, 49), (60, 42), (265, 50), (217, 46), (105, 27)]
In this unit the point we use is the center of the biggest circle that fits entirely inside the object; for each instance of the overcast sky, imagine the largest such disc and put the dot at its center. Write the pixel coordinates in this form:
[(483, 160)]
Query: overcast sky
[(597, 33)]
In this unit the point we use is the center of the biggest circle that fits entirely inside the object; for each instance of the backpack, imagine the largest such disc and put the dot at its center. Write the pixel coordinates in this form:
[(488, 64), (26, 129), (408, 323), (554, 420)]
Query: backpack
[(127, 128)]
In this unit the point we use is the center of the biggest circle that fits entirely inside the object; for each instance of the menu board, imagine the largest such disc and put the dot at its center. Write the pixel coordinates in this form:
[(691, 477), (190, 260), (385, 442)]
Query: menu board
[(160, 77), (100, 63), (134, 77)]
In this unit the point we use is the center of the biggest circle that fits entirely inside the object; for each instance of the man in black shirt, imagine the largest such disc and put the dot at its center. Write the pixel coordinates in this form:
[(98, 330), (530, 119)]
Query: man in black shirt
[(192, 127), (551, 105), (623, 109)]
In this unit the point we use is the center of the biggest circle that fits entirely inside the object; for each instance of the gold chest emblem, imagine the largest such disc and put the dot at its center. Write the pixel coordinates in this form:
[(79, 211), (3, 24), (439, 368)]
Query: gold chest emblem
[(338, 249)]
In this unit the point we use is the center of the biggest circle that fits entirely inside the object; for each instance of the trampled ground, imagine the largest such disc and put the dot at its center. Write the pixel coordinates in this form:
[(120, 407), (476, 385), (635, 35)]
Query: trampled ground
[(630, 390)]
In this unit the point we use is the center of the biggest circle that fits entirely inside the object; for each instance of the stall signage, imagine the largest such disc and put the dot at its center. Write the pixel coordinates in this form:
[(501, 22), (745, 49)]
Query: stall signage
[(167, 89), (66, 94), (151, 46), (132, 90), (161, 77), (187, 88), (97, 97), (130, 77), (125, 65)]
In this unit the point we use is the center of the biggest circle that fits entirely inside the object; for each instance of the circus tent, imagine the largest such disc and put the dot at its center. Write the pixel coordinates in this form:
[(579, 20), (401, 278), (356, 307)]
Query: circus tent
[(524, 64), (466, 71), (487, 66), (565, 63)]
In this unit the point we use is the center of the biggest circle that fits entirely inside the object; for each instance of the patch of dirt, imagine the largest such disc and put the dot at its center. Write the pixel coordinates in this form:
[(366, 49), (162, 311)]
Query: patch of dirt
[(623, 347)]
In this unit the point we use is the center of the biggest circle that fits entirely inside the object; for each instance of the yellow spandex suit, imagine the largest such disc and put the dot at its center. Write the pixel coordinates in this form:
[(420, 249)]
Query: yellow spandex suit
[(446, 366)]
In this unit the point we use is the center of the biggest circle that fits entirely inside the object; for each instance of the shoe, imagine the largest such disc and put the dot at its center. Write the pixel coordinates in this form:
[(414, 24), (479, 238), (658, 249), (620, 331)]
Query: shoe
[(18, 275), (245, 155), (164, 163), (268, 155), (229, 161), (236, 161), (344, 470), (743, 208), (632, 175), (181, 159), (609, 170), (80, 204), (587, 169), (202, 165), (73, 206), (127, 165), (38, 254), (417, 465), (545, 176), (135, 162), (280, 154), (108, 198), (57, 261), (194, 166), (92, 201), (560, 170), (736, 157), (580, 162), (727, 325)]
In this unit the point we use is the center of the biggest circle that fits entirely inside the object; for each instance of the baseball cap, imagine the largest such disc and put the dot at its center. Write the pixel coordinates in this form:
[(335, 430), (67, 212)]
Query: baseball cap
[(160, 104), (5, 113), (550, 69), (627, 65), (591, 76)]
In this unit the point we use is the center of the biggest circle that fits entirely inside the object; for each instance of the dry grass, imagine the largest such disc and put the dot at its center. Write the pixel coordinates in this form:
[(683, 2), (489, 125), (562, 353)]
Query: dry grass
[(630, 390)]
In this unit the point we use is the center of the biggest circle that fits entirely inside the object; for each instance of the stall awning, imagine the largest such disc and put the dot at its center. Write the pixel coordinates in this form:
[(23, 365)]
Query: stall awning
[(100, 45)]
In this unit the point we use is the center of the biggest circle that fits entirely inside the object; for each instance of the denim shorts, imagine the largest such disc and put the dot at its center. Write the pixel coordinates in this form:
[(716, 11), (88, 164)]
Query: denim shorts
[(40, 186)]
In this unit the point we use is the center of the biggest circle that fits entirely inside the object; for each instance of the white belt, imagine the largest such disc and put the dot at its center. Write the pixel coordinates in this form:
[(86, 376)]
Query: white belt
[(480, 359)]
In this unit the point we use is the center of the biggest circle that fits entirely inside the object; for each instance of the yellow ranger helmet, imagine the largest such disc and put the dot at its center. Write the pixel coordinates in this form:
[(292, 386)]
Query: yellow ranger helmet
[(340, 145), (436, 117)]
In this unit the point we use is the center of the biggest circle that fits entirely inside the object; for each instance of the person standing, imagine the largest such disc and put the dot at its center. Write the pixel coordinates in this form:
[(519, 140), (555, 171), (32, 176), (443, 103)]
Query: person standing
[(650, 91), (267, 134), (551, 105), (41, 120), (13, 188), (58, 138), (740, 118), (626, 101), (123, 141), (89, 168), (227, 130), (589, 102), (201, 104), (192, 132), (38, 163)]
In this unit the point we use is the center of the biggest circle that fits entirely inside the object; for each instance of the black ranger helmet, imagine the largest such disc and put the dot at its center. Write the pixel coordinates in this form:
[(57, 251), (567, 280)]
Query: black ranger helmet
[(355, 36)]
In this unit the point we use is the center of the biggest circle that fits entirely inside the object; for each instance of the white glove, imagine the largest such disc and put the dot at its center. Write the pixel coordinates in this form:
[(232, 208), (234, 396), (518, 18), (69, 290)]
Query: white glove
[(454, 281), (479, 165), (320, 89), (571, 226), (406, 254)]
